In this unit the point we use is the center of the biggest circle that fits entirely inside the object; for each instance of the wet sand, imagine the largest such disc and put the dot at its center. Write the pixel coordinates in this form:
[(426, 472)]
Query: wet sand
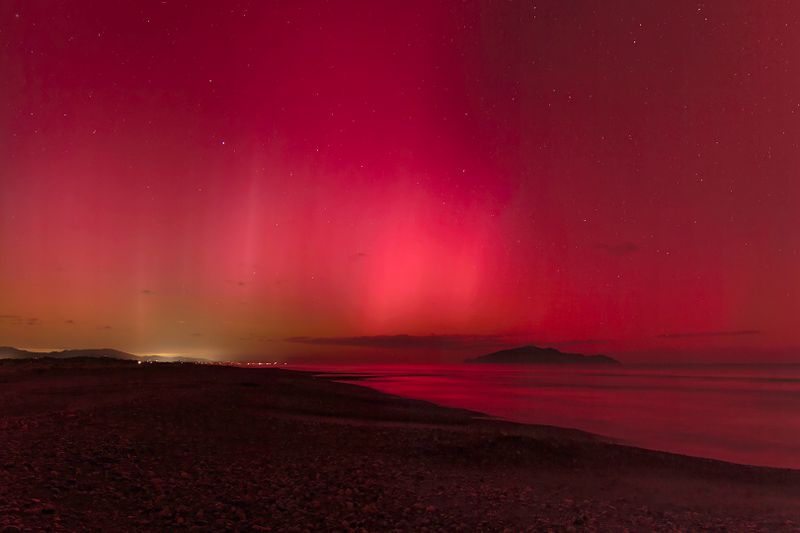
[(99, 445)]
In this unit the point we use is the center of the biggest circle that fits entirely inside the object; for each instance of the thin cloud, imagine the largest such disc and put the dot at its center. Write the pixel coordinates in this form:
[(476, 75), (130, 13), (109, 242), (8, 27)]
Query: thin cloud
[(578, 342), (442, 342), (620, 249), (19, 320), (693, 334)]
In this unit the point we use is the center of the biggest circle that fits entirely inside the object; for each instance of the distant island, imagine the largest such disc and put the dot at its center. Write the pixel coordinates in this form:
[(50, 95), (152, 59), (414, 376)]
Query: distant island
[(8, 352), (534, 355)]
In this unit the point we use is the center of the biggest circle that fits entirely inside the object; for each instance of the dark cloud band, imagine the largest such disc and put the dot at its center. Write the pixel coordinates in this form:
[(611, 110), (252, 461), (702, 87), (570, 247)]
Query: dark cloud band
[(692, 334)]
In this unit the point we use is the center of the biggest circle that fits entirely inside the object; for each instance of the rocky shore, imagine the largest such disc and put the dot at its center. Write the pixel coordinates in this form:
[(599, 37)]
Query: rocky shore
[(100, 445)]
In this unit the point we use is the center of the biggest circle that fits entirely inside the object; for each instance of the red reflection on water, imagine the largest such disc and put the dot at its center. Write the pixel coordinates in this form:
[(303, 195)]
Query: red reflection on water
[(742, 414)]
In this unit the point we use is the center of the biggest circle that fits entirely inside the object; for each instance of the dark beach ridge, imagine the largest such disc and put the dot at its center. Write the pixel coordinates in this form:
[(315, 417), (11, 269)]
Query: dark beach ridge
[(102, 445)]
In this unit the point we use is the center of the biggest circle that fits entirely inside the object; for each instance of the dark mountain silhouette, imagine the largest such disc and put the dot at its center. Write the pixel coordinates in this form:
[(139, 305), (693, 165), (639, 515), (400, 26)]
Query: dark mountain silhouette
[(8, 352), (533, 355)]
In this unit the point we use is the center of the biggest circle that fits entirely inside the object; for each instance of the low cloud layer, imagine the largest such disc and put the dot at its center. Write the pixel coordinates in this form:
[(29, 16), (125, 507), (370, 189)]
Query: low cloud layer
[(578, 342), (440, 342), (19, 320), (692, 334)]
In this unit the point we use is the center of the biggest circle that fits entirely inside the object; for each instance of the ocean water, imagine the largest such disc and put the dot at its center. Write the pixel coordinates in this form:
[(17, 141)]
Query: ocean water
[(743, 414)]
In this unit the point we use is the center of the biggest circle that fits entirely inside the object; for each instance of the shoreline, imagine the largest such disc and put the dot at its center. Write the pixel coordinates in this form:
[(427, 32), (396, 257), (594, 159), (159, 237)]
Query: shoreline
[(522, 428), (95, 444), (693, 415)]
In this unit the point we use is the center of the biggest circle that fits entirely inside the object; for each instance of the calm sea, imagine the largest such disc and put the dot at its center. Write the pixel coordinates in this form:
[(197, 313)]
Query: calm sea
[(744, 414)]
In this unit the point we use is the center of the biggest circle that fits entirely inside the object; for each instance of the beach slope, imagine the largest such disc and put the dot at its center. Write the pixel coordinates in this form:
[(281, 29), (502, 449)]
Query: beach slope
[(93, 444)]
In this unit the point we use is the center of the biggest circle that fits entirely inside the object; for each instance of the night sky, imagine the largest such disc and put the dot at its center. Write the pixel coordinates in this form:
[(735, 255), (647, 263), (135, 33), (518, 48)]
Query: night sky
[(401, 180)]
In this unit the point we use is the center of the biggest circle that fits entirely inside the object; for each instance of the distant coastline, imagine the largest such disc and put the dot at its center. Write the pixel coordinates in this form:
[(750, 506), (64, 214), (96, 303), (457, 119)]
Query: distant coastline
[(534, 355), (8, 352)]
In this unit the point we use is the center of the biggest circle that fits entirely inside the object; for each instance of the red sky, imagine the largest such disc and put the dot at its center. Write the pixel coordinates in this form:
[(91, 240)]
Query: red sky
[(265, 180)]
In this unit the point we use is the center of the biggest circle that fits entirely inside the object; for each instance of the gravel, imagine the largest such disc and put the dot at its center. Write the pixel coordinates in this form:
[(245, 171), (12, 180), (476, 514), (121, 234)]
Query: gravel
[(114, 446)]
